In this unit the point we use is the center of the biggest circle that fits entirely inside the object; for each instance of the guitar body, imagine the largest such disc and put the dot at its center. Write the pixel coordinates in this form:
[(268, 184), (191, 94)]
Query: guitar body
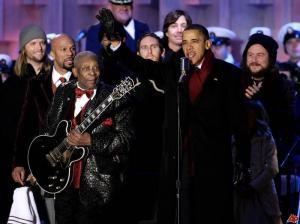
[(50, 159)]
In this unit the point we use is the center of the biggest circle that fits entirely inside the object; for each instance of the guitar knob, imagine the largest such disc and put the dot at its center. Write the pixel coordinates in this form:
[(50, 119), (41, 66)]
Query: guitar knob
[(52, 177)]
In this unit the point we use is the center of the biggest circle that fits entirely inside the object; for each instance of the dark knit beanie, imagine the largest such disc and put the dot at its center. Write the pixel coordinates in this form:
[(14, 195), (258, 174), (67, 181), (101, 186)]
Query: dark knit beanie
[(29, 33), (266, 41)]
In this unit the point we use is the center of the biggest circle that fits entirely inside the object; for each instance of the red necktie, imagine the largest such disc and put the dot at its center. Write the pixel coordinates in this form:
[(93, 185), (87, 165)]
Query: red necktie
[(88, 92)]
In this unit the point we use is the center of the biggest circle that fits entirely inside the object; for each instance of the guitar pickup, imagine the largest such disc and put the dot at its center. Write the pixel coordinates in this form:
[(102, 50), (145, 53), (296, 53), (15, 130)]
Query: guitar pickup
[(51, 160)]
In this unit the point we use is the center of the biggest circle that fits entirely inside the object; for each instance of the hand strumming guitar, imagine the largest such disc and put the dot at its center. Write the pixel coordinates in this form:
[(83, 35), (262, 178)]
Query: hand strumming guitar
[(76, 139)]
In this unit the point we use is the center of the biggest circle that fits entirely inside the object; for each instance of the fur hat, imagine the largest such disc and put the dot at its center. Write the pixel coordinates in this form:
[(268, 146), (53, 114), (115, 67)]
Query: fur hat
[(29, 33)]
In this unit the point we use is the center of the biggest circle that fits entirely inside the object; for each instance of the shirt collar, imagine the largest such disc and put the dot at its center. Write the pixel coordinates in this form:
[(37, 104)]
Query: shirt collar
[(200, 65), (56, 76), (130, 29)]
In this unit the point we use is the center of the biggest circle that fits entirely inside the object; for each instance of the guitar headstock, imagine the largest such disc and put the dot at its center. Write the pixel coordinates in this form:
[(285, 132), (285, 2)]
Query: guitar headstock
[(124, 87)]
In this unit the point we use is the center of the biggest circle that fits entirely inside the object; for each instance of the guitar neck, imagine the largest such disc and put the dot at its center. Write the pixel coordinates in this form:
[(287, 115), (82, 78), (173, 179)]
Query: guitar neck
[(95, 114), (118, 92)]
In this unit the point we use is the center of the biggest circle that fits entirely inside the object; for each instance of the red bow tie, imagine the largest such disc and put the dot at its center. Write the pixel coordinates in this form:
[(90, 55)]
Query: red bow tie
[(88, 92)]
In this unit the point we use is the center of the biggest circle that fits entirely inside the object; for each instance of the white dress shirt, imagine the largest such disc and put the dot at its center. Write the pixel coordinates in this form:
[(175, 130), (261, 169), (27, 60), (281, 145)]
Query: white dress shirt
[(130, 29), (56, 76), (82, 101)]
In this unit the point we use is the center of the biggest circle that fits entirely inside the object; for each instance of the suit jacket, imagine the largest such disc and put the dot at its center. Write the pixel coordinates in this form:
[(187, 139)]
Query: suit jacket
[(92, 39), (105, 163), (216, 115)]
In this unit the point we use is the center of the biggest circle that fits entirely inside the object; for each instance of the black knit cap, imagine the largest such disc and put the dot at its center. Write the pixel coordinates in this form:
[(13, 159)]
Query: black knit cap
[(266, 41)]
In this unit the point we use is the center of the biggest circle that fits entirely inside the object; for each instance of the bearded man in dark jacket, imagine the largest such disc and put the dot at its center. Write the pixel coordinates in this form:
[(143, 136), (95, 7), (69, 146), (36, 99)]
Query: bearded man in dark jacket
[(211, 110), (263, 82)]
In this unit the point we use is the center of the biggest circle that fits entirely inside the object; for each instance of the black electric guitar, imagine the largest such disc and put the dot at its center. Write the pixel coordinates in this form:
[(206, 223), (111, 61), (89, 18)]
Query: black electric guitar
[(50, 157)]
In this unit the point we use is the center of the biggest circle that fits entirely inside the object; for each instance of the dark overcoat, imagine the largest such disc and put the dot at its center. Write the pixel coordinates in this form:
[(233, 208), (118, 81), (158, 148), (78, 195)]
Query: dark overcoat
[(211, 121)]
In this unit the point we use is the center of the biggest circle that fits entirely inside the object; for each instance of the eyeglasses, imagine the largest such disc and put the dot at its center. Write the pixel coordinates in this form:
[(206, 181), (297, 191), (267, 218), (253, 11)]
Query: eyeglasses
[(153, 47), (89, 69)]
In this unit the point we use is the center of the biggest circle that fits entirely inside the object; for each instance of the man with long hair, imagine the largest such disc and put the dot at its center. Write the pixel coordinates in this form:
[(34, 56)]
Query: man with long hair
[(31, 63), (174, 24), (263, 82)]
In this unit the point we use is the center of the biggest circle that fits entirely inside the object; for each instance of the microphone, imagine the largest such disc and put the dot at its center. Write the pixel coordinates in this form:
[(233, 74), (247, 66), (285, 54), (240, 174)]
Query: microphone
[(82, 34), (184, 66)]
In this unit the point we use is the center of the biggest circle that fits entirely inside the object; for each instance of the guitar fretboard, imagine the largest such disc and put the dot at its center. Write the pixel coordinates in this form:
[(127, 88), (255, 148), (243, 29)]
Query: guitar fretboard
[(95, 114), (119, 91)]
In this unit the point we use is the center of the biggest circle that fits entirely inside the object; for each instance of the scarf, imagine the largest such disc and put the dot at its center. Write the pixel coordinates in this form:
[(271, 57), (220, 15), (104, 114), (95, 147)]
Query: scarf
[(199, 76)]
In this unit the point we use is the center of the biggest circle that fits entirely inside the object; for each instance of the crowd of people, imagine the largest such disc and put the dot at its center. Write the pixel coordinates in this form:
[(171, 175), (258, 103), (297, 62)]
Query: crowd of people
[(203, 137)]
